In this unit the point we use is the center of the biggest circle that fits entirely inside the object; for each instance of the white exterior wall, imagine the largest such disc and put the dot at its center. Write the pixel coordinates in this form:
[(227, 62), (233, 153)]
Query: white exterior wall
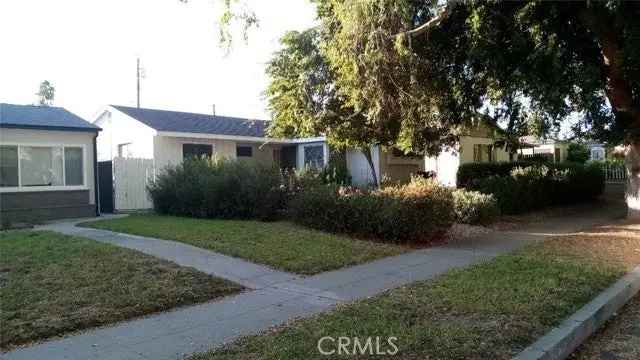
[(55, 138), (359, 166), (445, 165), (119, 128)]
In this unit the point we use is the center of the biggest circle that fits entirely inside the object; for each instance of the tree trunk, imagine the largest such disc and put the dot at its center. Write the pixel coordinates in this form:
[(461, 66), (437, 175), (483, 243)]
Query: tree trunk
[(632, 194), (620, 95), (369, 156)]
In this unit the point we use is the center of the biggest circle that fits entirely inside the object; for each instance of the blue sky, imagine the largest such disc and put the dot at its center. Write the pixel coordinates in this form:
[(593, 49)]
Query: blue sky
[(88, 50)]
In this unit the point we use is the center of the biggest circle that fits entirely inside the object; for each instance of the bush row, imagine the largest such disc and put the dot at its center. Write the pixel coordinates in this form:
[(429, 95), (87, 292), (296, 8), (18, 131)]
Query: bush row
[(536, 186), (218, 188), (416, 212)]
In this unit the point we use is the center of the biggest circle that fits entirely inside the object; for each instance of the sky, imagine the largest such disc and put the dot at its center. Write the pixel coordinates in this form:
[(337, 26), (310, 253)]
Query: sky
[(88, 50)]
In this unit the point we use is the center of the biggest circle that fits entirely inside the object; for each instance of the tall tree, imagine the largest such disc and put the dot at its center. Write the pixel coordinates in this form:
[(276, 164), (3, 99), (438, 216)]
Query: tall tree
[(46, 93), (304, 101), (421, 69)]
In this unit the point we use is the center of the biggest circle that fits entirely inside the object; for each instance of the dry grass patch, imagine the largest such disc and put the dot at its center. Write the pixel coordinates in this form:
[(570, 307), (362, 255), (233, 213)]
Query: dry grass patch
[(52, 284)]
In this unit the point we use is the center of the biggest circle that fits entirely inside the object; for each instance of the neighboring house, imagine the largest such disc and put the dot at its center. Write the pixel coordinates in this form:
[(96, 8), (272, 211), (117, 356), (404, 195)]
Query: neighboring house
[(168, 137), (477, 144), (47, 164), (554, 149)]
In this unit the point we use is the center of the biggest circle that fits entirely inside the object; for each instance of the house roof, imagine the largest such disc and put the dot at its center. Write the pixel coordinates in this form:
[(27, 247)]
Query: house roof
[(176, 121), (42, 118)]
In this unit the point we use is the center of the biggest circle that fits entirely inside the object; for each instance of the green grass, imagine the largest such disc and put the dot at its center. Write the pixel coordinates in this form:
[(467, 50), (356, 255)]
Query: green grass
[(489, 311), (51, 284), (281, 245)]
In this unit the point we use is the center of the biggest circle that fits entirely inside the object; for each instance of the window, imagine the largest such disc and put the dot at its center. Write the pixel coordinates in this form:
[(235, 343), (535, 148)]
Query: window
[(196, 150), (8, 166), (597, 154), (483, 153), (124, 150), (244, 151), (41, 166), (314, 156), (73, 160)]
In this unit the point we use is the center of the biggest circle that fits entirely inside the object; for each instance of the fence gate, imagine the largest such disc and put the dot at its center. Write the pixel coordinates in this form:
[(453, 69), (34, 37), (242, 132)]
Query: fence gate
[(131, 177), (105, 186)]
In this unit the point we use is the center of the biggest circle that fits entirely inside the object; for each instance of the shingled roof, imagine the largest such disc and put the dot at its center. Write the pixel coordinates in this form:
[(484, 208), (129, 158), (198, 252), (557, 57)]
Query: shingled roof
[(42, 118), (176, 121)]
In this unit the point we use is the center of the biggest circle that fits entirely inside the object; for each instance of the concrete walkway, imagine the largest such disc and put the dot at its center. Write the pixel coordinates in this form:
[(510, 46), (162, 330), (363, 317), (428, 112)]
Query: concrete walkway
[(278, 297)]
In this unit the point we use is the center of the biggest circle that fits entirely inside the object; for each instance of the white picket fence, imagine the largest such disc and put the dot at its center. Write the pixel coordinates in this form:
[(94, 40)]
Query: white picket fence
[(131, 177), (614, 173)]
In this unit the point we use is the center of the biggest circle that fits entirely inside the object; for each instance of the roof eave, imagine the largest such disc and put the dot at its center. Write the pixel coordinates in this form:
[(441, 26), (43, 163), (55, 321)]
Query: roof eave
[(50, 128)]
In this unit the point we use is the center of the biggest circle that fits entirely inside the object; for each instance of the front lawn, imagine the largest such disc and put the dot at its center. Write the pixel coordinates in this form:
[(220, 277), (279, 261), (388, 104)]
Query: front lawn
[(489, 311), (281, 245), (51, 284)]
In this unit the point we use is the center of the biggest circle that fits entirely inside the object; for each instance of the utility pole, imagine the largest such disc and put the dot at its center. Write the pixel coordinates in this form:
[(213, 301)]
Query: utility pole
[(214, 109), (138, 80)]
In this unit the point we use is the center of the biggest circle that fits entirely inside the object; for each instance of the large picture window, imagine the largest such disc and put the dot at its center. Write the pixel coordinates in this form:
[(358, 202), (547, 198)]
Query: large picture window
[(41, 166), (314, 156)]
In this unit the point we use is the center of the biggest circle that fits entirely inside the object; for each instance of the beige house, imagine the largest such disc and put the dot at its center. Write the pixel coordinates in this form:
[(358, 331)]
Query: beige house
[(477, 144)]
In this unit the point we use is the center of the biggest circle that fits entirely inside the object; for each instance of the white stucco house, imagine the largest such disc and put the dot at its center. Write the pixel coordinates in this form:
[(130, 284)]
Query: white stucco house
[(168, 137)]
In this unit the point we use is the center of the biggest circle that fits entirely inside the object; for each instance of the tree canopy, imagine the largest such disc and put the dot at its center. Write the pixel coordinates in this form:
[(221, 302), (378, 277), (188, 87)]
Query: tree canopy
[(417, 71)]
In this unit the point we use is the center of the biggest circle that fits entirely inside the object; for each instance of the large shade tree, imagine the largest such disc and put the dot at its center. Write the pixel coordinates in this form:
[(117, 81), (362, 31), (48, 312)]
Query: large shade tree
[(421, 69)]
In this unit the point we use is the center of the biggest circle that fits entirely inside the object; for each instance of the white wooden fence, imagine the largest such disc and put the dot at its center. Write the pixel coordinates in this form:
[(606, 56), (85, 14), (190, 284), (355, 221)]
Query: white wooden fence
[(130, 180), (614, 172)]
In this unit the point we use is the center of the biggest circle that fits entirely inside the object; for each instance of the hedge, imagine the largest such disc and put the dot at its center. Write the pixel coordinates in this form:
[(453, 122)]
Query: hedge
[(216, 188), (414, 213), (467, 173), (536, 186)]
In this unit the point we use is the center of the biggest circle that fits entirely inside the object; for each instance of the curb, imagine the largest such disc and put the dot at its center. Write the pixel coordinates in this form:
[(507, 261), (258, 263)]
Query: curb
[(560, 342)]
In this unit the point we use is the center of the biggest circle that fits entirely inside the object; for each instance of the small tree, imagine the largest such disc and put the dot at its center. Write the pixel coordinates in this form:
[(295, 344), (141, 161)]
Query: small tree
[(577, 153), (46, 93)]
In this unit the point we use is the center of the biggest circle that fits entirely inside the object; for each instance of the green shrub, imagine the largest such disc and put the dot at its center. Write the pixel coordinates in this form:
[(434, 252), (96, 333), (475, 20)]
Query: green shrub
[(417, 212), (578, 153), (537, 186), (468, 173), (217, 188), (473, 207)]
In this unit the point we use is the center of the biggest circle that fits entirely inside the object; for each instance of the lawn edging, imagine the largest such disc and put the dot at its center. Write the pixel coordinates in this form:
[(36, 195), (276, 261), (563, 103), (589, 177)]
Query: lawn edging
[(563, 340)]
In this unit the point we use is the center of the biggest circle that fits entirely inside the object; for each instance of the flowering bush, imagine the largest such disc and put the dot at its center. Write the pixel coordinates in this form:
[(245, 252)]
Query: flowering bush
[(473, 207)]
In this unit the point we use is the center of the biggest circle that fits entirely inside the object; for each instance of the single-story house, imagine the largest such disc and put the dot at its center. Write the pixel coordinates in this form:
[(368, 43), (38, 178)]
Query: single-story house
[(47, 164), (168, 137), (557, 150), (476, 144)]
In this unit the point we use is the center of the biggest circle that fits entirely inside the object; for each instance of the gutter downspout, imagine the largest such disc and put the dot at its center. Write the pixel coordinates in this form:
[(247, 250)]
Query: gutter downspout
[(96, 186)]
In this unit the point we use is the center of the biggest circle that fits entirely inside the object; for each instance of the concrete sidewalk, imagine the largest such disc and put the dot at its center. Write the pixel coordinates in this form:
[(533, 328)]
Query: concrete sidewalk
[(282, 297)]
